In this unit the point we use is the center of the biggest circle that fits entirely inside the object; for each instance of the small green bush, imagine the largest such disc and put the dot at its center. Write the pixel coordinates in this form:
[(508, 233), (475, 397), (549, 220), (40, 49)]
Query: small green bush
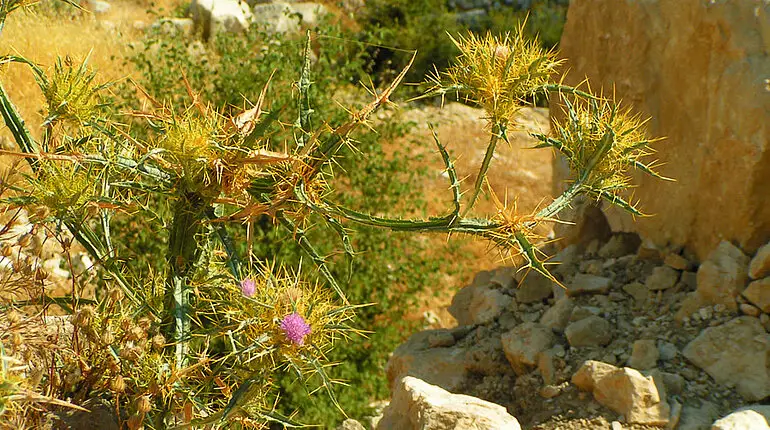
[(235, 69), (395, 28)]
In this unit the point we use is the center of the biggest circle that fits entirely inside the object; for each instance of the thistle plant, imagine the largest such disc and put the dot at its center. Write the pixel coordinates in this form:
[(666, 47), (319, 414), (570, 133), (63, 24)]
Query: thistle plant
[(199, 343)]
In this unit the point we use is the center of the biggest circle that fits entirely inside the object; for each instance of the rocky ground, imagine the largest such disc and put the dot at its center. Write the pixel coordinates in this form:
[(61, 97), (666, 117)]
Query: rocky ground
[(636, 338)]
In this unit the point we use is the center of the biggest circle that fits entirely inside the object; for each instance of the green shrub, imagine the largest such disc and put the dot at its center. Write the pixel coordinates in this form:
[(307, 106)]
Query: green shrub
[(397, 27), (236, 69)]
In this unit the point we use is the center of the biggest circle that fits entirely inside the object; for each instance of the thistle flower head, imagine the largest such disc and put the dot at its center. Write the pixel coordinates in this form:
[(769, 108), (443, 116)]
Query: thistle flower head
[(497, 72), (295, 328), (602, 140), (70, 92), (248, 287), (63, 187)]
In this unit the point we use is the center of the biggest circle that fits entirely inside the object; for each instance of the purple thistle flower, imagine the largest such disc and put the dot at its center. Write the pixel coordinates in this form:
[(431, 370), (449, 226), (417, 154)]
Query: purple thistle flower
[(248, 287), (295, 328)]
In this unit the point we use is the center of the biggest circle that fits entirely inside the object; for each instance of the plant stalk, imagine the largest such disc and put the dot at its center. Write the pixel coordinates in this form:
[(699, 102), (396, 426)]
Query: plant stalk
[(183, 253)]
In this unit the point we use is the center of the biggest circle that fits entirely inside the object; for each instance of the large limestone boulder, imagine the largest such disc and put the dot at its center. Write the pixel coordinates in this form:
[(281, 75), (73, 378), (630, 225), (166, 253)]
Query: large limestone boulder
[(281, 17), (417, 405), (698, 68), (212, 16)]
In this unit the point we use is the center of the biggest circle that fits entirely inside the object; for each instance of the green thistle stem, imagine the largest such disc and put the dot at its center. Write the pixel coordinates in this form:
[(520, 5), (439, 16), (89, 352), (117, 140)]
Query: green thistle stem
[(498, 130), (183, 253), (563, 201), (303, 119)]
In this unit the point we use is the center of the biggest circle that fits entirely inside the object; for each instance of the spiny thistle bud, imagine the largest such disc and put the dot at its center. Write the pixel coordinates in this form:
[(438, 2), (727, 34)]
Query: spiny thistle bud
[(70, 93), (113, 364), (248, 287), (16, 339), (116, 295), (145, 323), (25, 240), (143, 404), (290, 295), (153, 388), (295, 328), (158, 342), (136, 333), (84, 316), (41, 274), (107, 337), (130, 353), (118, 384), (496, 72), (134, 422), (13, 317)]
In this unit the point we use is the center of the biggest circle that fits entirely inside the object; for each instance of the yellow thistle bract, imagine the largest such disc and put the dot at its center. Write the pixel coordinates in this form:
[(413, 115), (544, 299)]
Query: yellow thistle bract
[(584, 133), (62, 187), (71, 93), (497, 72)]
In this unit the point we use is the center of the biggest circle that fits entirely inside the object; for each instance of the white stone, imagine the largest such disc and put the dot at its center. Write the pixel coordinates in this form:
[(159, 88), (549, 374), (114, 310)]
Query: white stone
[(213, 16), (417, 405), (748, 418)]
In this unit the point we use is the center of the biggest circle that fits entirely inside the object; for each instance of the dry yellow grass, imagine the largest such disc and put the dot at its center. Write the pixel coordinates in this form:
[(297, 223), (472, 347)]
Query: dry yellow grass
[(41, 38)]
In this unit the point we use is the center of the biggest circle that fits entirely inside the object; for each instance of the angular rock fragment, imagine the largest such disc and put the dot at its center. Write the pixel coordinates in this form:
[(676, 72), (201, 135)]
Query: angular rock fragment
[(662, 278), (625, 391), (758, 293), (417, 405), (723, 276), (523, 344), (557, 316), (735, 353), (760, 264), (415, 357), (644, 355), (588, 284), (591, 331)]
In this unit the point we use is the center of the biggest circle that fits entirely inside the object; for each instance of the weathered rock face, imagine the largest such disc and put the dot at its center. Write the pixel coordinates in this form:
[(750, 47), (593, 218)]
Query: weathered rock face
[(698, 69), (212, 16), (419, 405)]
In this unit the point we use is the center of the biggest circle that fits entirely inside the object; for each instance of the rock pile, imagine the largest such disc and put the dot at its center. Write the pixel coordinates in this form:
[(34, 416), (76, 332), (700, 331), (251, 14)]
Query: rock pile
[(234, 16), (638, 337)]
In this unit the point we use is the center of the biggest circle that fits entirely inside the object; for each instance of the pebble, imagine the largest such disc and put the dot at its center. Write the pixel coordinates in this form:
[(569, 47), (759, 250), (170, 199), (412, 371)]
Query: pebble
[(549, 391), (667, 351), (749, 310)]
